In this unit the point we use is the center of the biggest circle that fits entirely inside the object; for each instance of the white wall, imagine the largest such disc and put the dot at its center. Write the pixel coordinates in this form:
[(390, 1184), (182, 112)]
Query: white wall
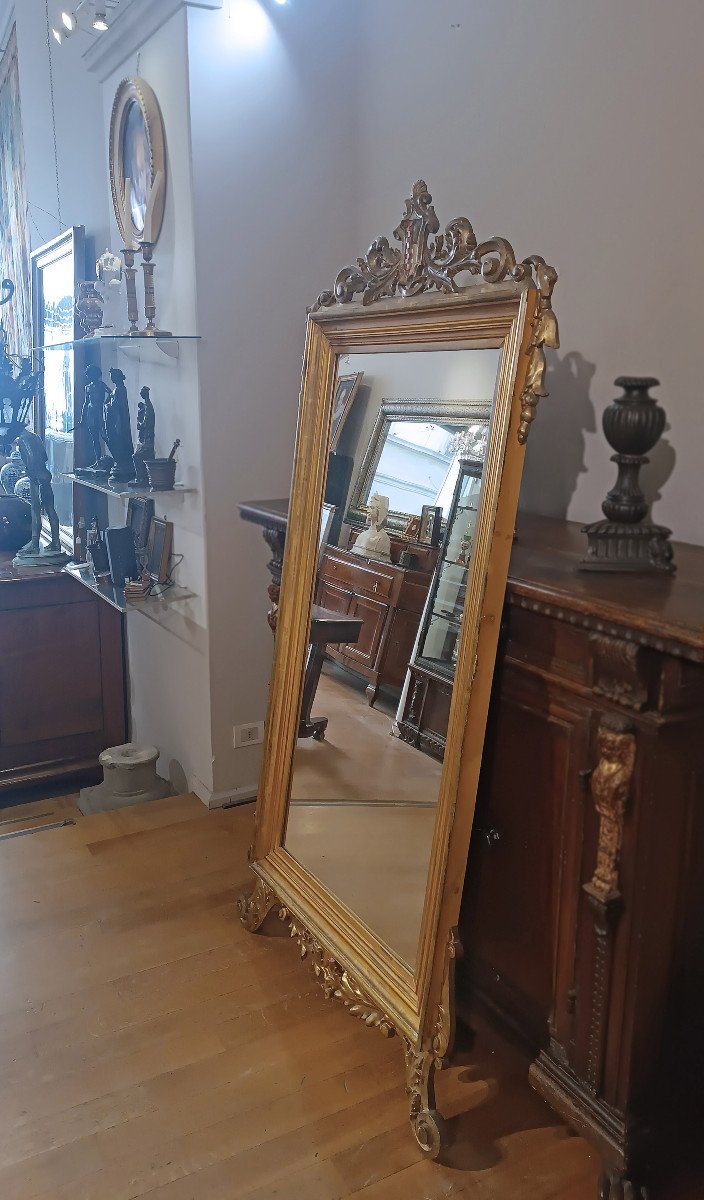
[(573, 129), (274, 178), (81, 152), (169, 656)]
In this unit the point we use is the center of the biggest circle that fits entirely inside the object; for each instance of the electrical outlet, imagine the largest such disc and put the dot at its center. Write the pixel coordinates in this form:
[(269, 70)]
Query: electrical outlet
[(248, 735)]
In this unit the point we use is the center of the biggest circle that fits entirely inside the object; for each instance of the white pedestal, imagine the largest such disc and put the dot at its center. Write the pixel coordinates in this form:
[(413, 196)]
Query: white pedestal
[(129, 777)]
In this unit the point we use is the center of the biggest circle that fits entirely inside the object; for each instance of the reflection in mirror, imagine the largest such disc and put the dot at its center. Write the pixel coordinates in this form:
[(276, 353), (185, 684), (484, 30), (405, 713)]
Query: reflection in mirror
[(389, 603)]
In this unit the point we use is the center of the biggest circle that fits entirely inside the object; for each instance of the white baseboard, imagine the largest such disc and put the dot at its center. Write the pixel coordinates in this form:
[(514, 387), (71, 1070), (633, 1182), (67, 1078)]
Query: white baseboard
[(229, 798)]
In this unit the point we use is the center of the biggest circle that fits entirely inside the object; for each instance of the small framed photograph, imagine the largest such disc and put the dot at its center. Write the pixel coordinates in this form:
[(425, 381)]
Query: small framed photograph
[(430, 521), (140, 514), (411, 529), (160, 541), (346, 389)]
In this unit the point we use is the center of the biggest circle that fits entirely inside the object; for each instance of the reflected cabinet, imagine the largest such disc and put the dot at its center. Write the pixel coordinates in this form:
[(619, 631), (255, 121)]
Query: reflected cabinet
[(360, 838)]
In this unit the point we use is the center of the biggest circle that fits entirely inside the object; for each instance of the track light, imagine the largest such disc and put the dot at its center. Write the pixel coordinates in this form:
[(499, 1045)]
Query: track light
[(69, 20), (100, 21), (57, 34)]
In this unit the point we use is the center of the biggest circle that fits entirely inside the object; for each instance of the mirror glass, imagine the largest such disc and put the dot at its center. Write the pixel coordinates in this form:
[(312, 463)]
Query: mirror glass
[(387, 614)]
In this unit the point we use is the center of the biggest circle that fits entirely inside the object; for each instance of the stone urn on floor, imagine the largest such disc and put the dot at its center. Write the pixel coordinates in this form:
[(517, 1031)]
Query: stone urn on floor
[(129, 777)]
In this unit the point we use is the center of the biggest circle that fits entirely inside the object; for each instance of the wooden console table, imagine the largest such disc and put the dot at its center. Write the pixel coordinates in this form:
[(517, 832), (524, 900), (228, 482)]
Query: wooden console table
[(62, 679), (583, 907)]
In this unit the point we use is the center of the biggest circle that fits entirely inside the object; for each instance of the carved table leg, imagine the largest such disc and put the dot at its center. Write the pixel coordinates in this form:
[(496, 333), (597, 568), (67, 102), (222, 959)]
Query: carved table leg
[(275, 538), (254, 907), (613, 1186)]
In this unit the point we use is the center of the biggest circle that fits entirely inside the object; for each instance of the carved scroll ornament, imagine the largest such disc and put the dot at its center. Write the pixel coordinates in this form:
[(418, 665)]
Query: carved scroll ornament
[(431, 260)]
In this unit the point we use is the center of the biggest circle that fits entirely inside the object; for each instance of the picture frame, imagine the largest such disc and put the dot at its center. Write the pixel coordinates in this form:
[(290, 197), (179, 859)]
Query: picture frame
[(327, 515), (469, 419), (137, 151), (140, 514), (429, 529), (159, 549), (411, 529), (57, 268), (346, 389)]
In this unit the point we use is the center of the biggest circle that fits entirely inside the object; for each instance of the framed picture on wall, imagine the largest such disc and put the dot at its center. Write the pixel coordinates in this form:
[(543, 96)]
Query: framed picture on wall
[(140, 513), (160, 541), (345, 391), (430, 522), (137, 162), (57, 268)]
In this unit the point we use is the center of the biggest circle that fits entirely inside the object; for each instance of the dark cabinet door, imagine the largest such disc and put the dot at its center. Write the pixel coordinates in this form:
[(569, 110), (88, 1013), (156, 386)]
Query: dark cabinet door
[(522, 884), (399, 647), (62, 692), (332, 597), (373, 614)]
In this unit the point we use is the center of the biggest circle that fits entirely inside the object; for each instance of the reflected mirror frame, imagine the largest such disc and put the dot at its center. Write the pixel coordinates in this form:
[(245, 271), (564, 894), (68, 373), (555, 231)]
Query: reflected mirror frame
[(510, 310), (463, 412)]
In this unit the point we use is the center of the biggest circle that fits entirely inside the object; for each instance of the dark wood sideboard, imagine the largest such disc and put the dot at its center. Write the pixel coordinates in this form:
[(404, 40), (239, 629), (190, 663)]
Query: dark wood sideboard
[(583, 910), (62, 677), (388, 599)]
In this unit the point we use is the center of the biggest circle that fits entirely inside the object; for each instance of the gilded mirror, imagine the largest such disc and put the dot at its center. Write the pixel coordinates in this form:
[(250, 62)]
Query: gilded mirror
[(361, 834), (415, 443)]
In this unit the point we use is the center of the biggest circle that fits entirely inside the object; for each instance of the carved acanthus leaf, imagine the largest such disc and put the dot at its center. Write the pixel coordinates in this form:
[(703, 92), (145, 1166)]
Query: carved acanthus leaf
[(335, 980), (429, 260)]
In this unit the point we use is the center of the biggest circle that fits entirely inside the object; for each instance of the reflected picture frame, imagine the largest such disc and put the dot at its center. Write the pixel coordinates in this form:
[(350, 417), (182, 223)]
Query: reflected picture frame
[(464, 414), (346, 389), (430, 527)]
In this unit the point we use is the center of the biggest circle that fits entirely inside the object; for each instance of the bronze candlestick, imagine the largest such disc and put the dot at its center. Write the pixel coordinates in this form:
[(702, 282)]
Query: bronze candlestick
[(147, 249), (625, 541), (130, 278)]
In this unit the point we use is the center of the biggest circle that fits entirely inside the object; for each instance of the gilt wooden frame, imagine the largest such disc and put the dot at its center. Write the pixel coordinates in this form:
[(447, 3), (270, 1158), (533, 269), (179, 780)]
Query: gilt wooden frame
[(511, 311)]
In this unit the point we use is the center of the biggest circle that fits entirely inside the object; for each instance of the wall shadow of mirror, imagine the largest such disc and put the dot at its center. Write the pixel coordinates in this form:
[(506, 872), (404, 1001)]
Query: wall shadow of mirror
[(566, 415)]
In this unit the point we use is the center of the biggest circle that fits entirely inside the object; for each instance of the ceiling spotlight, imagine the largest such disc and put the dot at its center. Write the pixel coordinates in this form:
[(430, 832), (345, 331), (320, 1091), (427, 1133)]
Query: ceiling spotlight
[(100, 21), (282, 1), (69, 21), (57, 34)]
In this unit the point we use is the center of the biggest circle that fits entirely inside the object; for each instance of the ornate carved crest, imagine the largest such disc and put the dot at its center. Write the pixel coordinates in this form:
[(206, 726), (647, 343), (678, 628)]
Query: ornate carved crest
[(431, 260)]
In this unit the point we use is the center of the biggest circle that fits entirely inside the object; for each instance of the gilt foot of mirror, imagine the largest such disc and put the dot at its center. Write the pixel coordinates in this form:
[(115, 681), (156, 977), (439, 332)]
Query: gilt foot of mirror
[(361, 838), (255, 907)]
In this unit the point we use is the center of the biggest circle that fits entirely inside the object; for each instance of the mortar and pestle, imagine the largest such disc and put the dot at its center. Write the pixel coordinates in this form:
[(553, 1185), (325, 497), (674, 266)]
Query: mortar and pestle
[(162, 471)]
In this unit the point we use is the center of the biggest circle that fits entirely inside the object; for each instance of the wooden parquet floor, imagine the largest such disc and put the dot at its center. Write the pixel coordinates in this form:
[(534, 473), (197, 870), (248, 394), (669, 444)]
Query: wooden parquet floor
[(150, 1047)]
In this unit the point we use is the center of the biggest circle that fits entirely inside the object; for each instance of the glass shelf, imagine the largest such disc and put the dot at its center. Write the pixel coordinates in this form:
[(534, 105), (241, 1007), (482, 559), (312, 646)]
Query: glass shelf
[(119, 339), (122, 489), (156, 602)]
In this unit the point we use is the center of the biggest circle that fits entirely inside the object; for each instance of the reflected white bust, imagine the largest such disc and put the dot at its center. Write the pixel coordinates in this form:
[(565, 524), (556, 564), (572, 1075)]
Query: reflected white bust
[(375, 542)]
